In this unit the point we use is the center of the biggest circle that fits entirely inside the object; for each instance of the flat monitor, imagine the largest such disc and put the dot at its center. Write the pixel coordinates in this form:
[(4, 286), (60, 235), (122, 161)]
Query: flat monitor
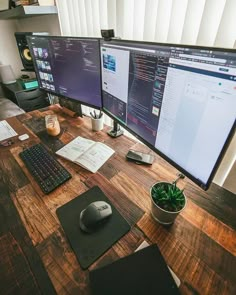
[(178, 100), (68, 67)]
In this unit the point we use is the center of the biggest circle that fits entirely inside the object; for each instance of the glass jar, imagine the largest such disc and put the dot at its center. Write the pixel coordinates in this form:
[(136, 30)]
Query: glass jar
[(52, 125)]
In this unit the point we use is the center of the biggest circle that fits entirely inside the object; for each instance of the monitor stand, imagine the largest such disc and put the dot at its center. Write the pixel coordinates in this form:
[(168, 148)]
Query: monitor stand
[(116, 131), (71, 108)]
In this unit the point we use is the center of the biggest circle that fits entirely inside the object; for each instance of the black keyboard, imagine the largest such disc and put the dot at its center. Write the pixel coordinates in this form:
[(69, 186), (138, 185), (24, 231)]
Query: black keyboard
[(47, 171)]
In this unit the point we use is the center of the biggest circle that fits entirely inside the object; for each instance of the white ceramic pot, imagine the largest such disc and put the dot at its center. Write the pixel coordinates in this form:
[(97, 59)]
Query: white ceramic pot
[(161, 215), (97, 124)]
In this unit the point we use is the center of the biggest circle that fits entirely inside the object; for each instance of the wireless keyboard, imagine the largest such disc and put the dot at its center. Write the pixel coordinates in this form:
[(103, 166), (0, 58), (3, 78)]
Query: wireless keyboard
[(47, 171)]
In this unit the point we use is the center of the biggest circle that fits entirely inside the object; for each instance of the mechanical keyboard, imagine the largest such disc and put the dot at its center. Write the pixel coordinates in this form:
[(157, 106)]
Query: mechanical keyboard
[(47, 171)]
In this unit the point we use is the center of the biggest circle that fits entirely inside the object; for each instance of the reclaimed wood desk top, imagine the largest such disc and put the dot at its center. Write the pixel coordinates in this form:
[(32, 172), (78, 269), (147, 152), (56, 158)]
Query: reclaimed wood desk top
[(200, 246)]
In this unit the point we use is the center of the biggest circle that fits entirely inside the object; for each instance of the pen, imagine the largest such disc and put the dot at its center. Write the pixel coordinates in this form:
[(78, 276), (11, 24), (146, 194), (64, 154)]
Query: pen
[(96, 116), (100, 114)]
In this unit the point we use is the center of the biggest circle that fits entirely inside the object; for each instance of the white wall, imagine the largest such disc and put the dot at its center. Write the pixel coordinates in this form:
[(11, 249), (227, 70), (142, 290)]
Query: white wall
[(227, 163), (9, 53), (46, 23)]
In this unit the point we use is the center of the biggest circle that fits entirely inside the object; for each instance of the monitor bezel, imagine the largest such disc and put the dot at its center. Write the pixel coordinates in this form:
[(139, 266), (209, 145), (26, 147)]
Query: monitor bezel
[(55, 93), (204, 186)]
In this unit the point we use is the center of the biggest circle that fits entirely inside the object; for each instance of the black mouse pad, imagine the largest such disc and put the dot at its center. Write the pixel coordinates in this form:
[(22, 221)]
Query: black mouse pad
[(88, 247)]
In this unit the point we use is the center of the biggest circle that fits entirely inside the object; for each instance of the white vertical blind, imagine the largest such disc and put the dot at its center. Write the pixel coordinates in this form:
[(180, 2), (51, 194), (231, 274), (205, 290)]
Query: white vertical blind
[(163, 20), (211, 18), (128, 19), (202, 22), (138, 23), (63, 16), (226, 34), (192, 21), (89, 17), (96, 17), (150, 20), (119, 29), (177, 20), (72, 28), (111, 15), (81, 16), (76, 22), (103, 14)]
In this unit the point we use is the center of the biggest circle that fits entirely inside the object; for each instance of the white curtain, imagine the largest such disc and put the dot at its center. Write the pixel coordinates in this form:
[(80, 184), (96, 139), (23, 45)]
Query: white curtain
[(194, 22), (201, 22)]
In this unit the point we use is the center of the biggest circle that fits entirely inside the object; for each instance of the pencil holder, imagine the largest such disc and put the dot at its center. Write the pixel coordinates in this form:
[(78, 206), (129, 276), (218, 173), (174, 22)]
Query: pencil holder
[(97, 124)]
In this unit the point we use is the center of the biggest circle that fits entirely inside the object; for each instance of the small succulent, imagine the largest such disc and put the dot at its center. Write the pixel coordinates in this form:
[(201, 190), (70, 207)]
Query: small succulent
[(168, 196)]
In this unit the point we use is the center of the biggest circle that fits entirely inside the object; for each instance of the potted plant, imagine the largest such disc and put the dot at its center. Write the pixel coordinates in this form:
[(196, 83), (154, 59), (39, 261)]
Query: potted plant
[(167, 201)]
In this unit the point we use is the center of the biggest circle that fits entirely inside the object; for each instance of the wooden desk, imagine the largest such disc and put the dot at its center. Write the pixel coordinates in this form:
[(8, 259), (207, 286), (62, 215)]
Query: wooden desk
[(200, 246)]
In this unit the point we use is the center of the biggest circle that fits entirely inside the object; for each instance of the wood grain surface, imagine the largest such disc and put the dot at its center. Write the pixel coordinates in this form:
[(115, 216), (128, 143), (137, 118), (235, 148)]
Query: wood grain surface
[(36, 257), (21, 268)]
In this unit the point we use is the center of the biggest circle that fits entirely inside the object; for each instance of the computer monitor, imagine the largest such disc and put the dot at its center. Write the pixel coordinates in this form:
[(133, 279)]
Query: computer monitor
[(178, 100), (68, 67)]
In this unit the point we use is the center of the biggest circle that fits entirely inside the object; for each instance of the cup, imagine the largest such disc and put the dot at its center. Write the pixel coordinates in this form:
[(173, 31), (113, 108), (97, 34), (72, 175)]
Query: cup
[(97, 124), (52, 125)]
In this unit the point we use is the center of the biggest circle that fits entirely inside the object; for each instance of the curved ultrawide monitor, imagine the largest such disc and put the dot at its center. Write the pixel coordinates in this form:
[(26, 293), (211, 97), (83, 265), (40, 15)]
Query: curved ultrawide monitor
[(179, 100), (68, 67)]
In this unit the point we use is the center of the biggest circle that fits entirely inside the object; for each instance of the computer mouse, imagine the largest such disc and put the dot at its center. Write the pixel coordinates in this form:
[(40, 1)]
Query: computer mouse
[(92, 217)]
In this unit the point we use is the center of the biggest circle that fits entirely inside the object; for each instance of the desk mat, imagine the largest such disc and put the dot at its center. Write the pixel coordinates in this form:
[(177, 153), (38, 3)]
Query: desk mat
[(88, 247)]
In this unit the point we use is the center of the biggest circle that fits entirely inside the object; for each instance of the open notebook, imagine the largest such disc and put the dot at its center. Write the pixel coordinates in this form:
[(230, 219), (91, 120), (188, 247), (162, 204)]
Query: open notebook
[(87, 153)]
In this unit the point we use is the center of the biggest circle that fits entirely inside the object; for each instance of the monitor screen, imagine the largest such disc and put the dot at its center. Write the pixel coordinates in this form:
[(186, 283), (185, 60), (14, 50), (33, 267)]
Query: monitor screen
[(68, 67), (179, 100)]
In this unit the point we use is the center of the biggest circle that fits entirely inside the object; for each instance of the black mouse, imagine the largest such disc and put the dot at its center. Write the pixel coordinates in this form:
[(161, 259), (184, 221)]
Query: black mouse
[(94, 215)]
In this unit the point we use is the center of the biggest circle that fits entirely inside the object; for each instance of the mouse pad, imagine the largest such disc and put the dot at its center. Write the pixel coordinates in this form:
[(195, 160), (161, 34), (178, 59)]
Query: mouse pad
[(88, 247)]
